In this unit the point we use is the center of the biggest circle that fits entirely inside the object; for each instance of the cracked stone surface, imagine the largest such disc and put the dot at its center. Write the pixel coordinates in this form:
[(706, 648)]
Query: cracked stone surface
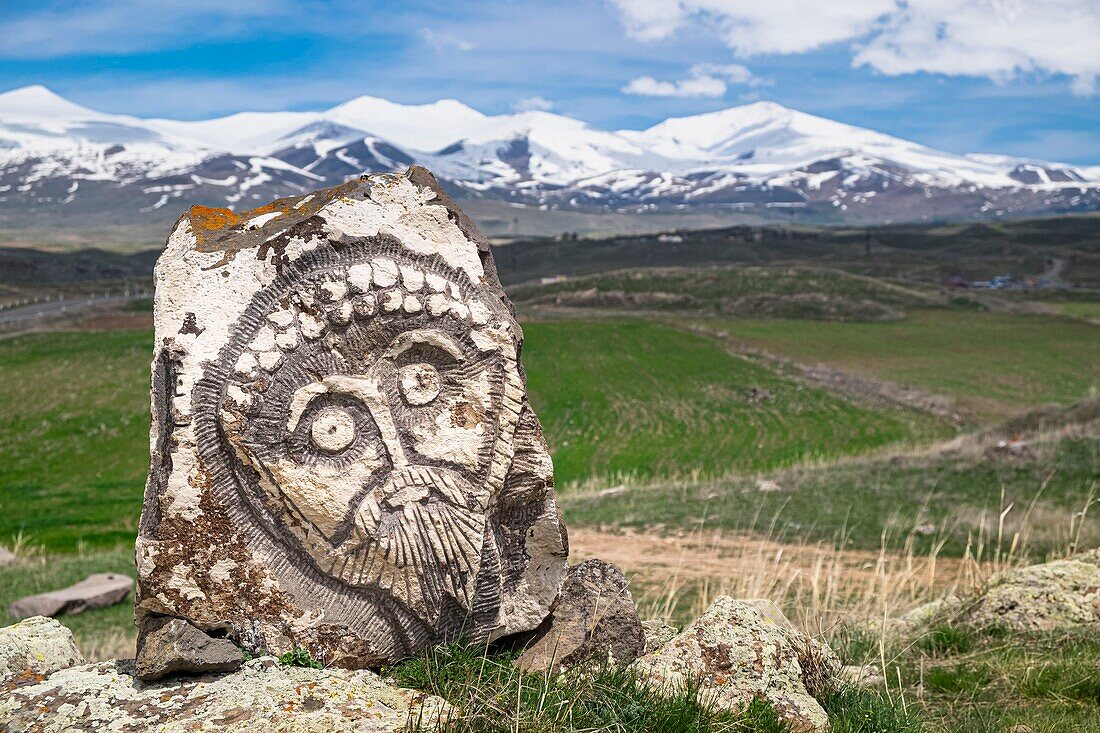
[(738, 653), (262, 696), (594, 616), (344, 458)]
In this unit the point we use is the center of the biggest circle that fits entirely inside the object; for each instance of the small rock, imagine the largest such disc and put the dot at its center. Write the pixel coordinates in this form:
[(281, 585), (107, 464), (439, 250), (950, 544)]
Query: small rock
[(95, 591), (925, 614), (768, 487), (863, 676), (34, 648), (261, 696), (594, 614), (1052, 596), (6, 557), (925, 530), (758, 395), (916, 620), (173, 646), (612, 491), (738, 655), (657, 634)]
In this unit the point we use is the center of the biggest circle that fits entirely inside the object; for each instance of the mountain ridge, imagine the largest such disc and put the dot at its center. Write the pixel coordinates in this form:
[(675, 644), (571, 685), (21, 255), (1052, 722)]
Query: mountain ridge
[(60, 161)]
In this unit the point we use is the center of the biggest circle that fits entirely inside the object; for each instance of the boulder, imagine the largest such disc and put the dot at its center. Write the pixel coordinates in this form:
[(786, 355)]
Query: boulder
[(261, 696), (737, 655), (173, 646), (344, 458), (7, 557), (95, 591), (594, 616), (1052, 596), (34, 648)]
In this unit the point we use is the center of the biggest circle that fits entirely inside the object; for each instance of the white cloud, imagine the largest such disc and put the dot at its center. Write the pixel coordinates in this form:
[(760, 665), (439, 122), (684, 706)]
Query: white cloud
[(999, 39), (533, 104), (756, 26), (703, 80), (444, 41), (1084, 85), (733, 73)]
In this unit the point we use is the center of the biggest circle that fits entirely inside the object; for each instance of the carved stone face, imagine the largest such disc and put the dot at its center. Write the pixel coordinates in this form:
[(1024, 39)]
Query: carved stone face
[(371, 409)]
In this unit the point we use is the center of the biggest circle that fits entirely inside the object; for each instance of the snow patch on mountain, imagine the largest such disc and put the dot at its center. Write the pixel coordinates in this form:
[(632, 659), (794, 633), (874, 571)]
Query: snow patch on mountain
[(754, 155)]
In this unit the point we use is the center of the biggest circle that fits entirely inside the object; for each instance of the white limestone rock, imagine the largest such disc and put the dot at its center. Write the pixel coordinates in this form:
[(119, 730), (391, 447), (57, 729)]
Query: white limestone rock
[(1051, 596), (262, 696), (738, 654), (34, 648), (339, 464)]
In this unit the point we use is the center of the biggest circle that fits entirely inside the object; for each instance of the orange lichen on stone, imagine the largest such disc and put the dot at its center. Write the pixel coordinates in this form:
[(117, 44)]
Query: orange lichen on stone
[(206, 218), (224, 230)]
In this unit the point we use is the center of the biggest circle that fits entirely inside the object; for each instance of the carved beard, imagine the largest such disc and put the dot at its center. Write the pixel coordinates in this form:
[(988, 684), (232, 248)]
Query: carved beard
[(416, 538)]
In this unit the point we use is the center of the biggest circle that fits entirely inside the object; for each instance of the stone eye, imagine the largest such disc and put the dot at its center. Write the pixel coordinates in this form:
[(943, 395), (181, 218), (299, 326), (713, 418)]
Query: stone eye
[(333, 430), (420, 383)]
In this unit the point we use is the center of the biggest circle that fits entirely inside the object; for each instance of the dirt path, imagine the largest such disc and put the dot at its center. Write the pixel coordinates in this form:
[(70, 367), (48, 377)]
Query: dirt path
[(816, 583)]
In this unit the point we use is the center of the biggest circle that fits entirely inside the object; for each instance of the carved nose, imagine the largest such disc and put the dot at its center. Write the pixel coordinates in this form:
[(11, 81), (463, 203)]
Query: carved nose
[(368, 391)]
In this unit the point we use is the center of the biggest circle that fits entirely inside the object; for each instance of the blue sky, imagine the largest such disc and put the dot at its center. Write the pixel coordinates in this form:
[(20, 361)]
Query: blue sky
[(1007, 76)]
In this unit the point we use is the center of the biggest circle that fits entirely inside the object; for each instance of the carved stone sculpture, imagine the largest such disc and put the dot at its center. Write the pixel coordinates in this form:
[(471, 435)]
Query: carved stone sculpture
[(343, 455)]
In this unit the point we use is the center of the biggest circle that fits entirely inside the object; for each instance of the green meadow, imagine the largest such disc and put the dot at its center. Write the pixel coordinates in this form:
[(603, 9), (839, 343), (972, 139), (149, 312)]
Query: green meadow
[(994, 364), (618, 399)]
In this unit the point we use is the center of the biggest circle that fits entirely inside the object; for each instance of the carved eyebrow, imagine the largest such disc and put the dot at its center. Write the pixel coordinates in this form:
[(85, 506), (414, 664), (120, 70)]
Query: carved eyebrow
[(430, 336), (300, 402)]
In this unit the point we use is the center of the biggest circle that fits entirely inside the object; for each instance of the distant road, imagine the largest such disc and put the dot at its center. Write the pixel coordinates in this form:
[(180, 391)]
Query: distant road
[(35, 311)]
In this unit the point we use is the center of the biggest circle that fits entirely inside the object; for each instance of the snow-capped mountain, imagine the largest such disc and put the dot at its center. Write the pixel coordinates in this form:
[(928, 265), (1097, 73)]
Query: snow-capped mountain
[(61, 162)]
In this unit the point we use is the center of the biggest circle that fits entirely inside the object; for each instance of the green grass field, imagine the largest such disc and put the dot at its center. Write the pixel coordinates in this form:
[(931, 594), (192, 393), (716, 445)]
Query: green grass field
[(1079, 308), (995, 365), (74, 437), (689, 427), (641, 399), (750, 292), (615, 398), (961, 680)]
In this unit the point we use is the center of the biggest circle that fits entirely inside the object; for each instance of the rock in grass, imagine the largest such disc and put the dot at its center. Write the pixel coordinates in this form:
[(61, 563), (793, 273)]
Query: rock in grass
[(594, 616), (863, 676), (6, 557), (261, 696), (344, 456), (657, 634), (737, 655), (34, 648), (95, 591), (1049, 597), (173, 646)]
